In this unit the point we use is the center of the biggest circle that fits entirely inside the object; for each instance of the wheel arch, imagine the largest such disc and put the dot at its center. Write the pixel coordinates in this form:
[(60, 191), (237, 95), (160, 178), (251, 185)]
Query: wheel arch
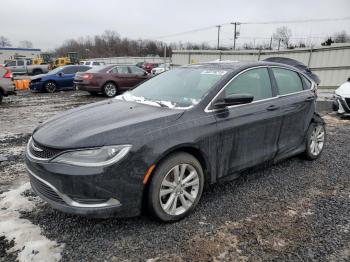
[(186, 148), (193, 150), (110, 81)]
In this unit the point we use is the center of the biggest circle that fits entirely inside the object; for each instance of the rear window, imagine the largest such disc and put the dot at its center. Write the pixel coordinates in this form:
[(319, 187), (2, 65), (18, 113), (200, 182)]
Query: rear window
[(99, 69), (288, 81)]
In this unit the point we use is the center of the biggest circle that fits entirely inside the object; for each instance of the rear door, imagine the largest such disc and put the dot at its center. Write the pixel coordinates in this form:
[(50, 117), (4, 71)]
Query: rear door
[(297, 103), (123, 77), (248, 133)]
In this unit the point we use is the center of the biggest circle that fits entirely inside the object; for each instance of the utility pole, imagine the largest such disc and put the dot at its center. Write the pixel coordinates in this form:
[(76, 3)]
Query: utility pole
[(271, 43), (235, 34), (279, 44), (219, 27), (164, 57)]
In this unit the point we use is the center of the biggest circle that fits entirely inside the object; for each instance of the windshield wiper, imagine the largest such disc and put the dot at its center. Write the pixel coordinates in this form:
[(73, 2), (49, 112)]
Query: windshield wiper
[(161, 103)]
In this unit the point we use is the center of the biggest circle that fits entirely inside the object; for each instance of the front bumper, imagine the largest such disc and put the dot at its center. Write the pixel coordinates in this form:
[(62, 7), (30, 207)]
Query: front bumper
[(36, 85), (89, 191), (341, 105)]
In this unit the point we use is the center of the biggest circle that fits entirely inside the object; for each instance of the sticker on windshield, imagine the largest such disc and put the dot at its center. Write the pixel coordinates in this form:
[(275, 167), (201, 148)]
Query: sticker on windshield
[(214, 72)]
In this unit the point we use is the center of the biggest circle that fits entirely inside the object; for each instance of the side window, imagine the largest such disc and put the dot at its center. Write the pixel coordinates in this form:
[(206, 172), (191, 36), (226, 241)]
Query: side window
[(12, 63), (70, 70), (287, 81), (137, 71), (20, 63), (307, 82), (83, 68), (114, 70), (255, 82), (123, 69), (95, 63)]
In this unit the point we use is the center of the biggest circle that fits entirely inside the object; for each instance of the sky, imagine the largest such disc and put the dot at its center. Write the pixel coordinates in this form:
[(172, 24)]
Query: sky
[(48, 23)]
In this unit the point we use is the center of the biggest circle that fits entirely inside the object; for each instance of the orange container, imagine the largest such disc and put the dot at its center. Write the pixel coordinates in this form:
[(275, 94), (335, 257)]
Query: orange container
[(22, 84)]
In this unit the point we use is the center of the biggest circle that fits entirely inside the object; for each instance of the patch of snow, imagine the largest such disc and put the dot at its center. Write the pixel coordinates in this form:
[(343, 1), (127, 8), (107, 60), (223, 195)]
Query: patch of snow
[(29, 241)]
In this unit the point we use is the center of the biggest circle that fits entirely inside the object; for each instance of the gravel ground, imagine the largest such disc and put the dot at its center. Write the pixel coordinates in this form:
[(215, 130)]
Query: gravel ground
[(292, 211)]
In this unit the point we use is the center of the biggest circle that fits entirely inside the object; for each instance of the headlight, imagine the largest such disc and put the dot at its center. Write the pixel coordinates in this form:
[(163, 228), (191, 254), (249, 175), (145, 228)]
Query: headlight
[(94, 157)]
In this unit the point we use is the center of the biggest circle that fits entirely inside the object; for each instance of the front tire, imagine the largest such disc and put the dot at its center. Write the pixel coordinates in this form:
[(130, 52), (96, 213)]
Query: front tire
[(110, 89), (50, 87), (316, 137), (176, 187)]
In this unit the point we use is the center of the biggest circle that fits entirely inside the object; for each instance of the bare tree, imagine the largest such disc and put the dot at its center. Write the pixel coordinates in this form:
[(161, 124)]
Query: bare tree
[(4, 42), (283, 35), (341, 37), (25, 44)]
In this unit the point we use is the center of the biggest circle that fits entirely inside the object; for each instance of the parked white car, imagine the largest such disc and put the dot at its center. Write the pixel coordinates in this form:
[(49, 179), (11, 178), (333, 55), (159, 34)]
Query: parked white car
[(341, 102), (92, 63), (160, 69)]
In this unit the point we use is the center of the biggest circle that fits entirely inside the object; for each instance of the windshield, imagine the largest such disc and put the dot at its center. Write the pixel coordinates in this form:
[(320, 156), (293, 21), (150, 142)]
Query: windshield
[(182, 87), (55, 71)]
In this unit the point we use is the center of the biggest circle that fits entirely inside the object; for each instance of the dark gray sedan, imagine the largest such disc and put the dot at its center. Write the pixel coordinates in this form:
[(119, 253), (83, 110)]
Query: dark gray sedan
[(156, 147)]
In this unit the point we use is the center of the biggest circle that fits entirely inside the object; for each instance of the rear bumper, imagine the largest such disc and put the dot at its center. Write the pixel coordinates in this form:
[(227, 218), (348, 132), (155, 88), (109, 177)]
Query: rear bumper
[(8, 88), (86, 87)]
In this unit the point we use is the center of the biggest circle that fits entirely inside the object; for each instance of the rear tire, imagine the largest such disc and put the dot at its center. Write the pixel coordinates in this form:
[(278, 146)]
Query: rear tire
[(50, 87), (110, 89), (315, 140), (175, 188)]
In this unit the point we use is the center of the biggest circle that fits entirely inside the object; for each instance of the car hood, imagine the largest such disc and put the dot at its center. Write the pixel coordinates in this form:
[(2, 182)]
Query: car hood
[(103, 123), (344, 89), (36, 77)]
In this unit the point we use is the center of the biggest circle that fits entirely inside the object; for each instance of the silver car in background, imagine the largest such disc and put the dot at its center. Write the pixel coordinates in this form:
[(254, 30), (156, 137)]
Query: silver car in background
[(7, 86)]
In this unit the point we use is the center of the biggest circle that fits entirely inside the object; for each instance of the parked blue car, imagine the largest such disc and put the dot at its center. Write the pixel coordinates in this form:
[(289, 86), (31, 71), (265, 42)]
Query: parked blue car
[(60, 78)]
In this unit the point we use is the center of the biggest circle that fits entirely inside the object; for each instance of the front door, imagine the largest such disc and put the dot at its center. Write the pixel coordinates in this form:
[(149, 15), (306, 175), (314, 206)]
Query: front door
[(248, 133)]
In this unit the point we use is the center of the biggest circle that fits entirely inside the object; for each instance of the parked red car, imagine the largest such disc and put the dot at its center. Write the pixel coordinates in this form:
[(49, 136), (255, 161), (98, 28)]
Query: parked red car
[(149, 66), (110, 79)]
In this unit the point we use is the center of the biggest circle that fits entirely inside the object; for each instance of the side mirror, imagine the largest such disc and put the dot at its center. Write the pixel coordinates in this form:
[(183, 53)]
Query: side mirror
[(235, 99), (60, 74), (145, 73)]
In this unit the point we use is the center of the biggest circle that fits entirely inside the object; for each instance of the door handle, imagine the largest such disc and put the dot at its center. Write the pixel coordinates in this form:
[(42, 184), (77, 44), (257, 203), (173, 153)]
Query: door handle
[(272, 108), (310, 98)]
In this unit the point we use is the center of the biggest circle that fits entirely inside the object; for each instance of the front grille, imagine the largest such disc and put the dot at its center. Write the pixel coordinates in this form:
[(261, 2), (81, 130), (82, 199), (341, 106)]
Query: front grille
[(347, 100), (43, 152), (45, 190)]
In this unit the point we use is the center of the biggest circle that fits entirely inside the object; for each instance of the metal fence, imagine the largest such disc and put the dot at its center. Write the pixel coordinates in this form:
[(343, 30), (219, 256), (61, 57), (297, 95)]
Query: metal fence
[(131, 60), (331, 64)]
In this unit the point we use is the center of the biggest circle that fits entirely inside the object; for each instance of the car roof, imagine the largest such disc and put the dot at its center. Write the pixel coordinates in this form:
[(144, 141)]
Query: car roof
[(236, 65)]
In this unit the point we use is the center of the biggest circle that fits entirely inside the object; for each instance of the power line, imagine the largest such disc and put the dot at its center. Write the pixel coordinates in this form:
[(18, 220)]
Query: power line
[(253, 23), (299, 21)]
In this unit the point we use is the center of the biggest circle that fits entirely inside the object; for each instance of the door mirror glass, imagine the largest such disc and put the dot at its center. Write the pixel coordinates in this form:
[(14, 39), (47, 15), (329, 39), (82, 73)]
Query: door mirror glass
[(235, 99)]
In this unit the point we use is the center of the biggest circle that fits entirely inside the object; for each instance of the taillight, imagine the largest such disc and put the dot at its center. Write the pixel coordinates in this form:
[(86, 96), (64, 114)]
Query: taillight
[(87, 76), (8, 74)]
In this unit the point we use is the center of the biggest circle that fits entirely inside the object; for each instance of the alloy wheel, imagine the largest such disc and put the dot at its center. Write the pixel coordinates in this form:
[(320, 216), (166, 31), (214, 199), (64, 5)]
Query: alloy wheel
[(50, 87), (179, 189), (110, 90), (317, 140)]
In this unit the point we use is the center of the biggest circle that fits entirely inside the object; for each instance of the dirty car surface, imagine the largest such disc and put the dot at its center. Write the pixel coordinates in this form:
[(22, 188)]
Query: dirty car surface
[(158, 145)]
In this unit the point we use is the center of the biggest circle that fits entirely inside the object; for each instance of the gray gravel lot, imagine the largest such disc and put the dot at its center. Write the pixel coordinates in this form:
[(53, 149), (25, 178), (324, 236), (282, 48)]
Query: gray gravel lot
[(296, 210)]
